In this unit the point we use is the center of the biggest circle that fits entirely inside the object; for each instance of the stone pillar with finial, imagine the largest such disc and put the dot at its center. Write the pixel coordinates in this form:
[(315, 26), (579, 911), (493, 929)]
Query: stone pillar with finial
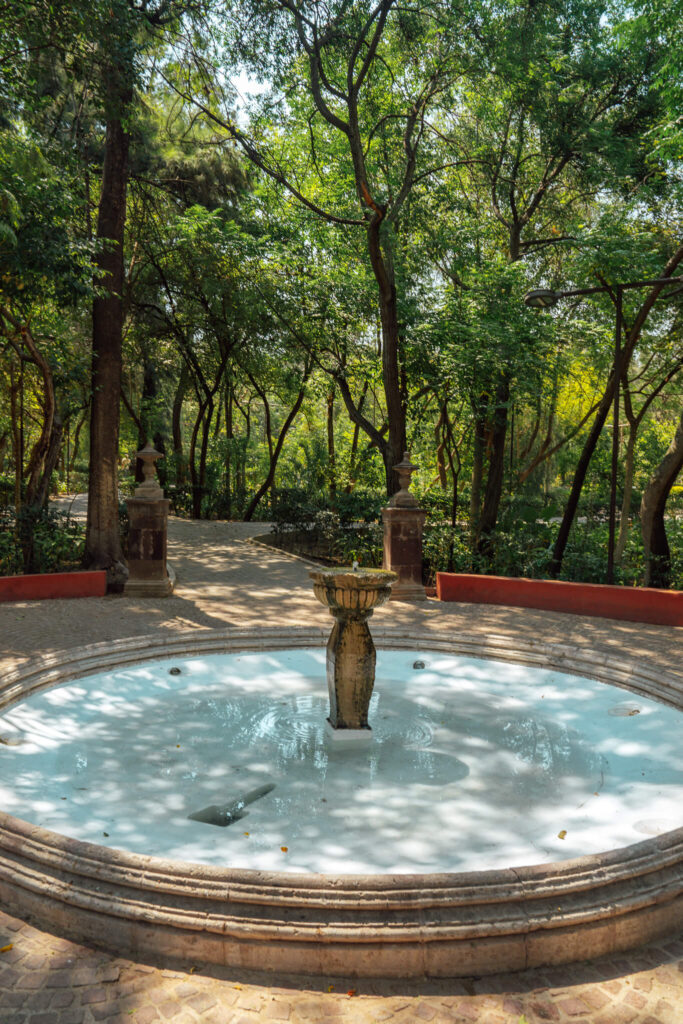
[(147, 536), (403, 523)]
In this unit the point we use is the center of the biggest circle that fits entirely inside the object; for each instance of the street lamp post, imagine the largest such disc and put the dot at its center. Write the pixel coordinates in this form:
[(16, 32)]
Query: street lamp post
[(544, 298)]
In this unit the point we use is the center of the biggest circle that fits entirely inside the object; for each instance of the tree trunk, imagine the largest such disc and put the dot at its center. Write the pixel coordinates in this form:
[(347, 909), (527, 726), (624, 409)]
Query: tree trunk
[(382, 268), (36, 462), (102, 540), (229, 435), (657, 553), (634, 426), (274, 456), (629, 470), (77, 441), (179, 458), (15, 384), (354, 443), (440, 434), (195, 477), (478, 447), (579, 478), (331, 455), (203, 452), (496, 473), (51, 459), (452, 450)]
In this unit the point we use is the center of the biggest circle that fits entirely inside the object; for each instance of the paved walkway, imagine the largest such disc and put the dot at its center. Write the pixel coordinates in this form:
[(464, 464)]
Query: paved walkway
[(222, 580)]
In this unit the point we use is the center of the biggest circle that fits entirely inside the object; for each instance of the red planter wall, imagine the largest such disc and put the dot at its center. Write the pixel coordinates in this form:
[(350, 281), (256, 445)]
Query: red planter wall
[(633, 604), (57, 584)]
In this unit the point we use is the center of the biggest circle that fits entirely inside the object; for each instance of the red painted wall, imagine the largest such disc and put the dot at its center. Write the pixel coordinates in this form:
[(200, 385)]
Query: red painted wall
[(57, 584), (633, 604)]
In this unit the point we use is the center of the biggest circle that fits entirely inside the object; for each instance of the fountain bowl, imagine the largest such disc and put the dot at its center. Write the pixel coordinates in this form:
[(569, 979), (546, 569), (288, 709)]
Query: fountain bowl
[(361, 590), (403, 925)]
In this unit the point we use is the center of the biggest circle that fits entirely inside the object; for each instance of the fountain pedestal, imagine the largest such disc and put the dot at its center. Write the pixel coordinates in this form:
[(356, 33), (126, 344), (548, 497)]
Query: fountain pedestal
[(403, 521), (351, 598), (148, 517)]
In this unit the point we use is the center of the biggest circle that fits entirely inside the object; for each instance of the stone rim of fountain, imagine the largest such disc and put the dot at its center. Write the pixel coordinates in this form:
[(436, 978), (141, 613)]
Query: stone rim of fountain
[(448, 924)]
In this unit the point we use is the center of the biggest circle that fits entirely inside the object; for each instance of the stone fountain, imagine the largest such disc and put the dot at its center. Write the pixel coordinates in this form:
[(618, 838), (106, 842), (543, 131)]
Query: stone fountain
[(351, 596), (287, 893), (331, 917)]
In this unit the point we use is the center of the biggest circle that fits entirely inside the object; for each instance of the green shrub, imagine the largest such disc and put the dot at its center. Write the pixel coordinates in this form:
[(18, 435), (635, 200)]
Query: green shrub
[(38, 540), (360, 506), (293, 511), (362, 544)]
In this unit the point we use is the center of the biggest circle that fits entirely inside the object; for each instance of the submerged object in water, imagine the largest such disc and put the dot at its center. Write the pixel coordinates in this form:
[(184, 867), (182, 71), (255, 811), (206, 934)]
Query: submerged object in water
[(229, 813)]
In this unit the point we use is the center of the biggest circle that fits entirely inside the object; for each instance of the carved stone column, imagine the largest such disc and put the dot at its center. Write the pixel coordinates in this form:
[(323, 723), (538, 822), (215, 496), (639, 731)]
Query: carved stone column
[(403, 523), (351, 597), (147, 537)]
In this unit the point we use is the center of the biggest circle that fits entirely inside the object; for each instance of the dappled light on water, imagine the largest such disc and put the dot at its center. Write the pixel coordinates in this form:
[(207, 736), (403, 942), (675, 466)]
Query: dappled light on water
[(472, 764)]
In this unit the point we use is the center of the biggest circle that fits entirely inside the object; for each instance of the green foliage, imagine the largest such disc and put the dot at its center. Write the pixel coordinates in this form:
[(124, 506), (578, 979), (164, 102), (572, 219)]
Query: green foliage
[(11, 560), (545, 138), (524, 550), (39, 541)]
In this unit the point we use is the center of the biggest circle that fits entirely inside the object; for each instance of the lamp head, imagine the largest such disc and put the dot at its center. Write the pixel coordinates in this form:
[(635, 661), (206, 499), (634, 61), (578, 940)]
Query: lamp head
[(541, 298)]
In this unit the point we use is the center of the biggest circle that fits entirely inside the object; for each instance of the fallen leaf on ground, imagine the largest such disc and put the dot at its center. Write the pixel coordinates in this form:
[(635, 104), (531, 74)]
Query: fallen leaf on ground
[(6, 949)]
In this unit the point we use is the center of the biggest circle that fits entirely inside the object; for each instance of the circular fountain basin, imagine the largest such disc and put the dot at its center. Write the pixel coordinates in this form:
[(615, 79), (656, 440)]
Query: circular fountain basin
[(502, 815)]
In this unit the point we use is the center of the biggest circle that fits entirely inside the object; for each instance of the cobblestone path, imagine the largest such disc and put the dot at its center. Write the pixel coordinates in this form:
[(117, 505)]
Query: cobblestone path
[(222, 580)]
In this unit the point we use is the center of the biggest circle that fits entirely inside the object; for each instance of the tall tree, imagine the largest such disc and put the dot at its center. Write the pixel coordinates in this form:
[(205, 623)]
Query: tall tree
[(360, 80), (130, 27), (655, 542), (553, 114), (103, 542)]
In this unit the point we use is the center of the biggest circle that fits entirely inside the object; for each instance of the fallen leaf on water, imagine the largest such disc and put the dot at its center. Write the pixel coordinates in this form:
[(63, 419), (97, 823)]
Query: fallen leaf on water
[(284, 849), (562, 834), (245, 833), (6, 949), (106, 834)]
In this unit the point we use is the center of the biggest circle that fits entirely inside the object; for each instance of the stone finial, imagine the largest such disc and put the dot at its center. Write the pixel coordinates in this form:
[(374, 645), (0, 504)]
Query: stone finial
[(403, 498), (149, 488)]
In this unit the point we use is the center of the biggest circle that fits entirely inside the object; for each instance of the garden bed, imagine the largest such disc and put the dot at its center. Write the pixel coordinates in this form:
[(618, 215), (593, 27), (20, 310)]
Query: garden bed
[(53, 585), (631, 604)]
